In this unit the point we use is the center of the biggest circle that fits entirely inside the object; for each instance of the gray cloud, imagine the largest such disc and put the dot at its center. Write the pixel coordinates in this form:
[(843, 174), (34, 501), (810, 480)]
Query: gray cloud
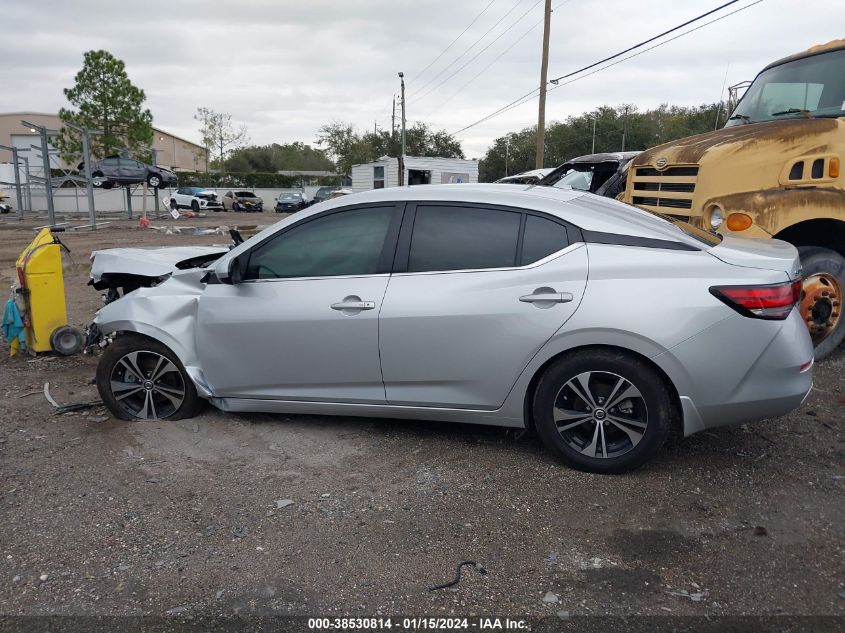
[(286, 67)]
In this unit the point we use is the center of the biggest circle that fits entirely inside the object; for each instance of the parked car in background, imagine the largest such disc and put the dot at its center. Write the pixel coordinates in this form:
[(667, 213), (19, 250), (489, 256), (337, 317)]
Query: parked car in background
[(510, 330), (339, 193), (526, 177), (196, 199), (323, 193), (245, 201), (601, 174), (290, 202), (114, 170), (5, 207)]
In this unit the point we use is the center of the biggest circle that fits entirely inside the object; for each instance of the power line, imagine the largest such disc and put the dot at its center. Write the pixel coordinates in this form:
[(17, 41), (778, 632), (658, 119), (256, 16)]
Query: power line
[(475, 19), (498, 57), (498, 37), (473, 45), (644, 42), (528, 96)]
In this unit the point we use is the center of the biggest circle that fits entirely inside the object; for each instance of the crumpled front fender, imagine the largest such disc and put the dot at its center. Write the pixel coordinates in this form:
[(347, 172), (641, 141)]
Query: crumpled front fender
[(166, 313)]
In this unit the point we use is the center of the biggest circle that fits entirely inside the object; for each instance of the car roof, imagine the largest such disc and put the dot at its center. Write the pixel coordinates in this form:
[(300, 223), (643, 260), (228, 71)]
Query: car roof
[(596, 214), (603, 157)]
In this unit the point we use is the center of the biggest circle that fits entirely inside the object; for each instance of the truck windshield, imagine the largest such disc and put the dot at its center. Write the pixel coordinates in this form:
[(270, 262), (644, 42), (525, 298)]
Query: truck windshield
[(813, 86)]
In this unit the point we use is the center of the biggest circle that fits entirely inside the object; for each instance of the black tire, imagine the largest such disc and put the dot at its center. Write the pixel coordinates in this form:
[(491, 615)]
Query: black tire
[(653, 404), (154, 181), (111, 371), (236, 206), (66, 340), (195, 206), (816, 260), (96, 179), (174, 205)]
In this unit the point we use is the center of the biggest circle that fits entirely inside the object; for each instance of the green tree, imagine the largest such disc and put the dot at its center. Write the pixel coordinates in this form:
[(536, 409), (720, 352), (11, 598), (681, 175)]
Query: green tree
[(103, 98), (278, 157), (219, 135)]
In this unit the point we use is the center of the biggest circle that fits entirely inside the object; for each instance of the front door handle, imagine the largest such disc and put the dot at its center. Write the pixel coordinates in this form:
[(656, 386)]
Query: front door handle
[(546, 297), (354, 305)]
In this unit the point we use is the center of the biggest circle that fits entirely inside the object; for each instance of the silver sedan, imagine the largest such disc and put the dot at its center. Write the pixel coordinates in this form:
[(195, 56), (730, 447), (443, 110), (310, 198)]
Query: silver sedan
[(602, 327)]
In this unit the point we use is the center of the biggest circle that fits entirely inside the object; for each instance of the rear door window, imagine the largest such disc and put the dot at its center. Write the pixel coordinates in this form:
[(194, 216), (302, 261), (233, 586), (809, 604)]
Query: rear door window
[(541, 238), (463, 238)]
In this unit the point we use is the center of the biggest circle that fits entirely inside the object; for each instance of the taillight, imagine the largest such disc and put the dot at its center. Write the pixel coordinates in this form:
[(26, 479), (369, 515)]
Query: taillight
[(772, 302)]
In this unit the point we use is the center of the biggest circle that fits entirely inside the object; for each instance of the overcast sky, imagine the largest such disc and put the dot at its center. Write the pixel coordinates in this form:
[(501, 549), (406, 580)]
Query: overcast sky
[(286, 67)]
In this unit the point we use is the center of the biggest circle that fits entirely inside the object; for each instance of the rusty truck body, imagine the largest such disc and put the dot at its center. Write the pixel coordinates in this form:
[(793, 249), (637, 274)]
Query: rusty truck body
[(774, 170)]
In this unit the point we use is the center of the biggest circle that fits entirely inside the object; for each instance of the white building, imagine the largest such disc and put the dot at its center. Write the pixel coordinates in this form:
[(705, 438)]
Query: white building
[(419, 170)]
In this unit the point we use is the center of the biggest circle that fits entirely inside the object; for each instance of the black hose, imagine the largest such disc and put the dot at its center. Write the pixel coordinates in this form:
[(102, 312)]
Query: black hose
[(457, 579)]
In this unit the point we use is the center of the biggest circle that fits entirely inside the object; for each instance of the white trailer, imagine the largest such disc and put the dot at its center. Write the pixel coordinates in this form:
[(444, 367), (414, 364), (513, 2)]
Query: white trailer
[(419, 170)]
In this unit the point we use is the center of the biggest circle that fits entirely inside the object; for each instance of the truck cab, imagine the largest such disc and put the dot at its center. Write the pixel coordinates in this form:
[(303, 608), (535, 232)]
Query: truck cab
[(773, 171)]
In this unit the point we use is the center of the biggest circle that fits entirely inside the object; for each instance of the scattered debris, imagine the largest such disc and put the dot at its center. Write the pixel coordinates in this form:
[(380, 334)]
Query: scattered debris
[(457, 578), (16, 579), (195, 428), (698, 596), (28, 393), (550, 598), (283, 503), (219, 594), (759, 530), (68, 408), (97, 418), (177, 611), (43, 577), (563, 615), (239, 531)]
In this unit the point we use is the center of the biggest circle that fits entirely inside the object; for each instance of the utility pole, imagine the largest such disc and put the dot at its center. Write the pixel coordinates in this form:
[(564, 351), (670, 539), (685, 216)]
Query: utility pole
[(402, 158), (624, 127), (544, 72), (393, 119), (593, 151)]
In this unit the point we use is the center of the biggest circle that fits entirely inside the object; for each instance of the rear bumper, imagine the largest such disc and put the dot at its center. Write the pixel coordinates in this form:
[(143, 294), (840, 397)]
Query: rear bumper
[(745, 370)]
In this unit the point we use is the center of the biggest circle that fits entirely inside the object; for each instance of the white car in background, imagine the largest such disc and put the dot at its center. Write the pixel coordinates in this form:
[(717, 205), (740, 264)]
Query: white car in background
[(196, 199)]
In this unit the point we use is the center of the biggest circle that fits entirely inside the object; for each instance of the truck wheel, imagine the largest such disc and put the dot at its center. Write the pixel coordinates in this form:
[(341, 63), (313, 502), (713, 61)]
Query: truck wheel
[(66, 340), (821, 300)]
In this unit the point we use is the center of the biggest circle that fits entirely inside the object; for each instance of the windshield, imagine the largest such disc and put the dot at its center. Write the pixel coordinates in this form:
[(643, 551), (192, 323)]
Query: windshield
[(290, 196), (812, 86), (245, 194), (575, 179)]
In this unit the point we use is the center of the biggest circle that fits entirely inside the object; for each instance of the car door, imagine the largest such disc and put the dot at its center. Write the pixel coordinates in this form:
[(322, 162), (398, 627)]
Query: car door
[(476, 292), (303, 324)]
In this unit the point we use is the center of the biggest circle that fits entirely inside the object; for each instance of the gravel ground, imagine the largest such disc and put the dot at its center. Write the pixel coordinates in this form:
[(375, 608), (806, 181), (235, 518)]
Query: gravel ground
[(192, 519)]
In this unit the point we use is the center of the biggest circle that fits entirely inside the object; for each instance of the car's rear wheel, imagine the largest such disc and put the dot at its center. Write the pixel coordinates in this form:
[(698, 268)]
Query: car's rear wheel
[(154, 181), (602, 411), (821, 300), (140, 379)]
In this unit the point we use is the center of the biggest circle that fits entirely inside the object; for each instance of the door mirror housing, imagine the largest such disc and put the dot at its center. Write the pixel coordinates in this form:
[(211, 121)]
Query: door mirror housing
[(230, 270)]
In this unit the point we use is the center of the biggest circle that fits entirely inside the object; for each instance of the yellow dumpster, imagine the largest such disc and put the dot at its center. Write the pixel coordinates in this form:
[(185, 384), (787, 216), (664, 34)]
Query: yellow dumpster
[(42, 289)]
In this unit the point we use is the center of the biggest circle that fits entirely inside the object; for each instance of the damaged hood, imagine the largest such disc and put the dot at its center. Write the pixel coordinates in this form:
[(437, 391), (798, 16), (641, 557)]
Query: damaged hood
[(151, 262)]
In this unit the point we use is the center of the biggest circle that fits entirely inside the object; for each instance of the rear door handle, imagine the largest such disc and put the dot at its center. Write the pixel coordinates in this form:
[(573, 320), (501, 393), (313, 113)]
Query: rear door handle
[(547, 297)]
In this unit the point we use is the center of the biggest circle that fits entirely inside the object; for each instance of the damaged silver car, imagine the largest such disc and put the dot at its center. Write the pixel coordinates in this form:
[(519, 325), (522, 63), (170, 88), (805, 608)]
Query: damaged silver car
[(601, 326)]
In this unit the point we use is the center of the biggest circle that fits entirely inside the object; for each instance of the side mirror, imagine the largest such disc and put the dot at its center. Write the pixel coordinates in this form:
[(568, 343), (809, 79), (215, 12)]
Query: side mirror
[(230, 270)]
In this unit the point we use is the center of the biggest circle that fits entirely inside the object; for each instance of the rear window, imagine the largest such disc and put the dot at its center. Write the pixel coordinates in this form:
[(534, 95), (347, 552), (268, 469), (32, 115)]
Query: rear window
[(542, 237), (463, 238)]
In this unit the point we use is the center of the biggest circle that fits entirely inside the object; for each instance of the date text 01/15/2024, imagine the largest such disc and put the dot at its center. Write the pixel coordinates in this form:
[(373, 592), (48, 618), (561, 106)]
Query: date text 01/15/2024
[(417, 623)]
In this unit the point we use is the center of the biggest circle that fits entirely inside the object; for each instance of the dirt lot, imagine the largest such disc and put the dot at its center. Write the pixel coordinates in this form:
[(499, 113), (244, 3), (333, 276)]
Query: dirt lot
[(180, 519)]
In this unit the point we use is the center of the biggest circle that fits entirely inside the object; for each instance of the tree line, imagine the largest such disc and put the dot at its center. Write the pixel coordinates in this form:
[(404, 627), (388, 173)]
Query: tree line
[(103, 98)]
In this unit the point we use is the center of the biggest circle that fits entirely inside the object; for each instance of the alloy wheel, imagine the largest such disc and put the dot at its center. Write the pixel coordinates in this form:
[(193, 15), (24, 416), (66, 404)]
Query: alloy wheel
[(600, 414), (147, 385)]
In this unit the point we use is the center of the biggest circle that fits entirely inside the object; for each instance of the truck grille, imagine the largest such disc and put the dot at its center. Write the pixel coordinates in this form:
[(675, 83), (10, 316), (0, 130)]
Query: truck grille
[(660, 190)]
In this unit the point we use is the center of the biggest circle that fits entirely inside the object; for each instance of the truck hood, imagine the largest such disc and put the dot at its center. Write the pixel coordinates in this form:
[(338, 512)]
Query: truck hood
[(762, 254), (152, 262), (787, 134)]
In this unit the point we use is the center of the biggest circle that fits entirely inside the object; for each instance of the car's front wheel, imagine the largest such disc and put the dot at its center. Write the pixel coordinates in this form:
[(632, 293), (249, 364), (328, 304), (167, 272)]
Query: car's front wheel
[(195, 206), (140, 379), (602, 411), (154, 181)]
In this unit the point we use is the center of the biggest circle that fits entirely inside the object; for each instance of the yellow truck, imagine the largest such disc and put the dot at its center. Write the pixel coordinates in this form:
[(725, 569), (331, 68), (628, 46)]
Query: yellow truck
[(774, 170)]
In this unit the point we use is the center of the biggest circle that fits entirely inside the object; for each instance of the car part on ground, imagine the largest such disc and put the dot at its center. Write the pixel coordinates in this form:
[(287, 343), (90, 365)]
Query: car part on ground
[(116, 170), (601, 174), (196, 199), (242, 202), (473, 304), (774, 170)]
